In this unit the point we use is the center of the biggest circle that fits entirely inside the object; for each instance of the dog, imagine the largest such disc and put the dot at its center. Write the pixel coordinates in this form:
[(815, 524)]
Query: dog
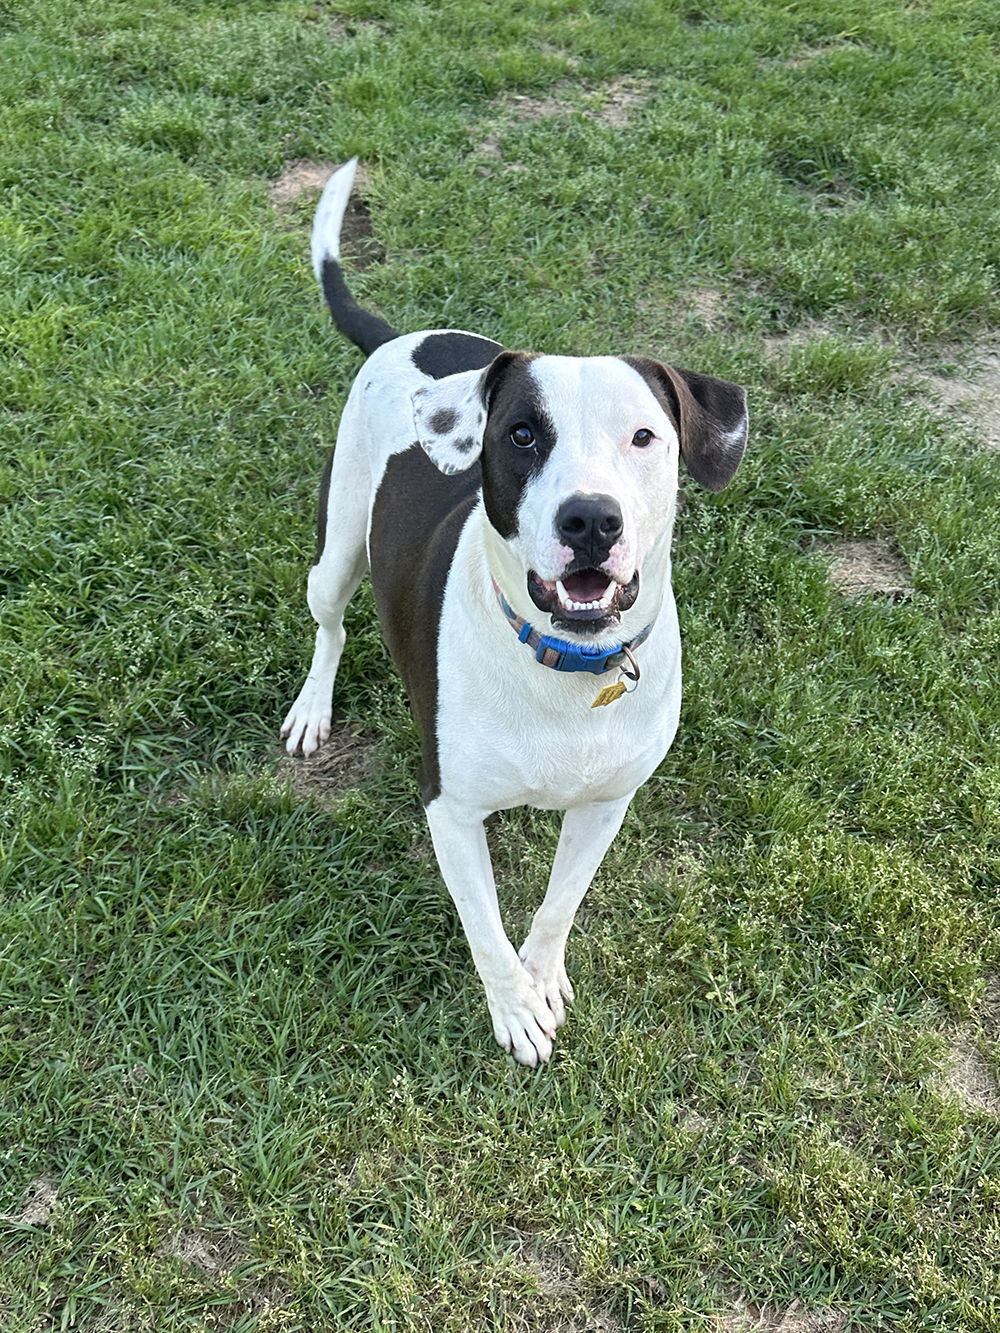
[(515, 513)]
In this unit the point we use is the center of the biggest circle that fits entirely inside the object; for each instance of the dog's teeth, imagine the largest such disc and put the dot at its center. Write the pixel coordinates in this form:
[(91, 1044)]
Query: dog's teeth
[(596, 604)]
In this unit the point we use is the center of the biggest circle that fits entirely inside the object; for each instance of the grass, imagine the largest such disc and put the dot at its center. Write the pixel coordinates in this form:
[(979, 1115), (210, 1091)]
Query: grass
[(240, 1033)]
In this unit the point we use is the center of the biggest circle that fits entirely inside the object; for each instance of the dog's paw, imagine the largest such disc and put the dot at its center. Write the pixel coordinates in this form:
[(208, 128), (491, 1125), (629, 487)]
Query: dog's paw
[(549, 975), (307, 724), (523, 1023)]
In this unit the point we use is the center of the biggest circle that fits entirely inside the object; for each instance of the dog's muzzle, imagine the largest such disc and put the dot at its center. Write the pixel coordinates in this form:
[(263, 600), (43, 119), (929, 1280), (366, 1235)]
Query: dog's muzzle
[(585, 599)]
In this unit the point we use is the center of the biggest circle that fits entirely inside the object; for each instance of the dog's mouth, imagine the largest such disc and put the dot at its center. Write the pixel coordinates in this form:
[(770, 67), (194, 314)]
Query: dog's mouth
[(586, 600)]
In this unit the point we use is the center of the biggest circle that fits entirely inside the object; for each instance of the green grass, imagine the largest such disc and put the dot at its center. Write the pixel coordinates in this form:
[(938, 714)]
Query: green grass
[(231, 1018)]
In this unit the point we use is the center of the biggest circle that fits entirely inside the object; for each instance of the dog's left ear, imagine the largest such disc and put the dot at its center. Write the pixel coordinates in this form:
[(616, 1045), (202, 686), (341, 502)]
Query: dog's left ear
[(450, 414), (711, 418)]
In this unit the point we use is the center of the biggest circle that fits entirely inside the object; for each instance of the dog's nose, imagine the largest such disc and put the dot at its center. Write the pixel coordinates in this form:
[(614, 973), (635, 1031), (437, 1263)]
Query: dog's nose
[(590, 525)]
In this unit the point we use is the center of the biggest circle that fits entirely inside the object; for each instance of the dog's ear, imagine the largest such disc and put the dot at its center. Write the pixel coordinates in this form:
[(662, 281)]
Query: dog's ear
[(710, 415), (450, 414)]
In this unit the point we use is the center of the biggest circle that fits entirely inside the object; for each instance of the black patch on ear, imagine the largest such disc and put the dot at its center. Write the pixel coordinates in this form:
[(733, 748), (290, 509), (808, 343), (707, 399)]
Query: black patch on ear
[(512, 395), (465, 445), (442, 354), (710, 416), (443, 421)]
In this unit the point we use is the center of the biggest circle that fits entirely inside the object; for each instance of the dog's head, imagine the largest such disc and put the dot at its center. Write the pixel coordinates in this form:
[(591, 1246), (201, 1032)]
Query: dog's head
[(579, 459)]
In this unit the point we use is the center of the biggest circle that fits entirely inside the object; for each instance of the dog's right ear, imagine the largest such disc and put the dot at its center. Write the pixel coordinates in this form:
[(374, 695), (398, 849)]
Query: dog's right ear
[(710, 416), (450, 414)]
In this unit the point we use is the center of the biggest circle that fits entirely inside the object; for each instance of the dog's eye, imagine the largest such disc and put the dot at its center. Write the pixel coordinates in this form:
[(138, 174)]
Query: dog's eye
[(641, 438), (523, 436)]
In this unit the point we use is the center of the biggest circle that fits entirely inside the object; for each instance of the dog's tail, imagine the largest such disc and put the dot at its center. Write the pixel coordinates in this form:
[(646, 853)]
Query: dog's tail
[(362, 327)]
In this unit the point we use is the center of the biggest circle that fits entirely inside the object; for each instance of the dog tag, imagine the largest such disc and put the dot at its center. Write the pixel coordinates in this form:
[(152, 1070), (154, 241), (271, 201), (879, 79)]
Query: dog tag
[(609, 694)]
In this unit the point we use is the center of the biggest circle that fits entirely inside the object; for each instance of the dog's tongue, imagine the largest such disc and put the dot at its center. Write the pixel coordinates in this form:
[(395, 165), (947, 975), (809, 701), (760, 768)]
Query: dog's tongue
[(586, 585)]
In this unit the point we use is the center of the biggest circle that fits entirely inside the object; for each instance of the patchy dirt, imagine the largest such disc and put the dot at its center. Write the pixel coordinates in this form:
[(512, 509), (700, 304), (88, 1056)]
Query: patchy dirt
[(705, 306), (616, 102), (558, 53), (777, 344), (490, 148), (39, 1205), (344, 760), (806, 55), (693, 1122), (208, 1252), (552, 1272), (620, 98), (341, 28), (522, 107), (592, 1323), (795, 1319), (989, 1008), (867, 566), (299, 176), (216, 1256), (973, 392), (968, 1077)]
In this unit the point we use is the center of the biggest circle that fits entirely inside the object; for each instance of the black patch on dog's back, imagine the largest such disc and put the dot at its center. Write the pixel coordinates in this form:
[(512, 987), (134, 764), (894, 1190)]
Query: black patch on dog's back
[(417, 518), (442, 354)]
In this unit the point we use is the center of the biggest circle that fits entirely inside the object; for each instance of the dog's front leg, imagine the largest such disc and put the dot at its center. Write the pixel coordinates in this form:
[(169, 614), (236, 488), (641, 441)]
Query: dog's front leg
[(587, 833), (522, 1021)]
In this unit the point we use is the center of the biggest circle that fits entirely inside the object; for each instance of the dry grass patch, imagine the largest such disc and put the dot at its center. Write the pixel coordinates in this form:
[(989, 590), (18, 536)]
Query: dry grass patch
[(620, 98), (989, 1008), (591, 1323), (867, 566), (299, 176), (615, 102), (968, 1077), (558, 53), (39, 1205), (341, 28), (974, 393), (806, 55), (693, 1122), (704, 306), (671, 319), (344, 760), (795, 1319), (609, 104), (551, 1271), (210, 1253), (222, 1261), (520, 106), (303, 176), (777, 344)]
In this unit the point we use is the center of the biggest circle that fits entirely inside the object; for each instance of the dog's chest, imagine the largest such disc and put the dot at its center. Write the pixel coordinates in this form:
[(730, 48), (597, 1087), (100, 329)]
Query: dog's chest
[(554, 766), (510, 731)]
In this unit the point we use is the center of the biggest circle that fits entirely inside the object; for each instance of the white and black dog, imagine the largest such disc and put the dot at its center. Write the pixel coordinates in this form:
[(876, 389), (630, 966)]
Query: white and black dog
[(515, 512)]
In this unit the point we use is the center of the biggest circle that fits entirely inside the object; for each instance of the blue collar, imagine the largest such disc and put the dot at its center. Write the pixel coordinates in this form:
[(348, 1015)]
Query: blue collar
[(561, 655)]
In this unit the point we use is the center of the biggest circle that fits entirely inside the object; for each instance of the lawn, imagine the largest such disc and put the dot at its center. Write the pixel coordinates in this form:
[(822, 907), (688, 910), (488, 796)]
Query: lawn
[(247, 1080)]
